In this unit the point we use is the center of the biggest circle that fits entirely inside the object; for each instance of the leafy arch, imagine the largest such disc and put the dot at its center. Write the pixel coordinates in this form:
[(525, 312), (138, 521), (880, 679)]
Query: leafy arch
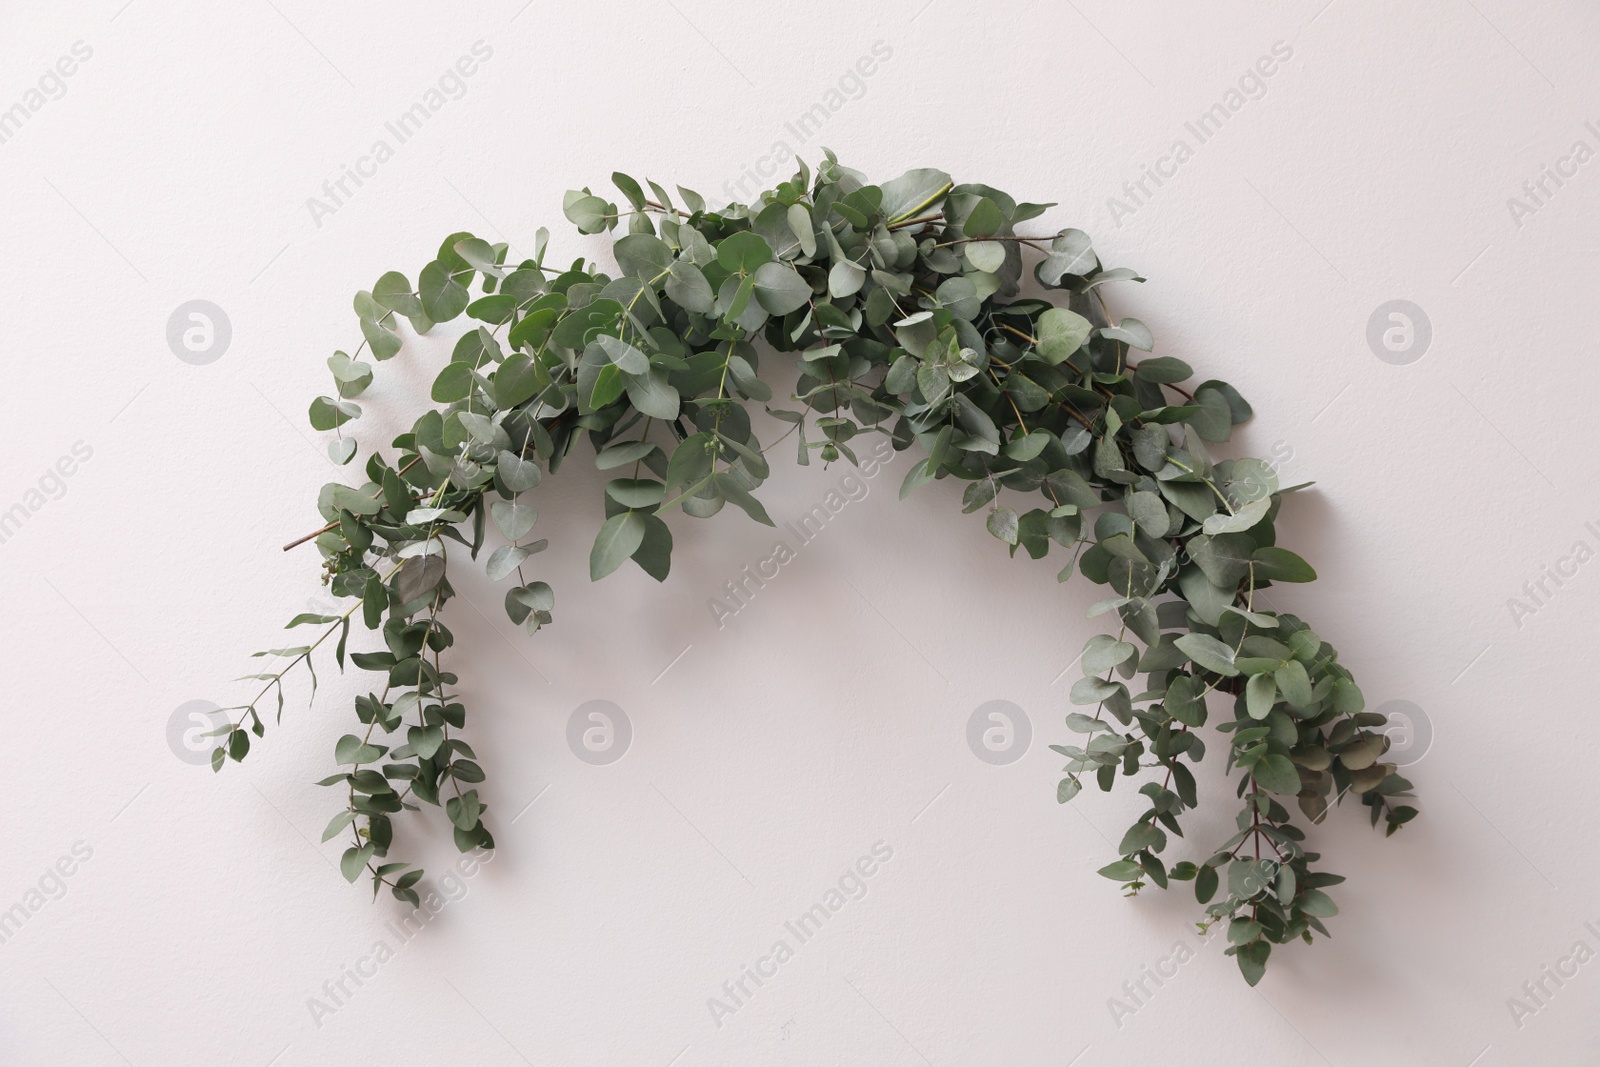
[(903, 305)]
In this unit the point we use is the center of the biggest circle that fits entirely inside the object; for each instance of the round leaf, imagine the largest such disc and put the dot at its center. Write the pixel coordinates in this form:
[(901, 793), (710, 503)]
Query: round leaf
[(780, 289)]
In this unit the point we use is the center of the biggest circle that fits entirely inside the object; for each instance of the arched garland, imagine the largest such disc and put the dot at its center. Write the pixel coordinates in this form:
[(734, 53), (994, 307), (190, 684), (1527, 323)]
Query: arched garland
[(902, 303)]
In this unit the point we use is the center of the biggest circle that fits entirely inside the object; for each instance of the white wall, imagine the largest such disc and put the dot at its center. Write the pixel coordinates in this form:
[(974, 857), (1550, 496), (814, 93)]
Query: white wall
[(831, 713)]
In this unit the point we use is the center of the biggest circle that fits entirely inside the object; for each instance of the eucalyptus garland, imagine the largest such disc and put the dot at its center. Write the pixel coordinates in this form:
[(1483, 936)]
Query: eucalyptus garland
[(902, 303)]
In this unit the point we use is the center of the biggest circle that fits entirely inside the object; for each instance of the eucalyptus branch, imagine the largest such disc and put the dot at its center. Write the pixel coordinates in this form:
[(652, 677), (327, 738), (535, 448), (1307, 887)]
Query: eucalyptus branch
[(904, 337)]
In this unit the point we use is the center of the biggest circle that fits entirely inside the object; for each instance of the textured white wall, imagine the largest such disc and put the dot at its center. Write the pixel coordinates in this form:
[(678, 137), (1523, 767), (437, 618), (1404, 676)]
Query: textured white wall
[(828, 719)]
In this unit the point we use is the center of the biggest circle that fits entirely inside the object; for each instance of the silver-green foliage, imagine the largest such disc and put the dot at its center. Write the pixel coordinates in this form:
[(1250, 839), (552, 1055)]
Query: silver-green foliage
[(902, 302)]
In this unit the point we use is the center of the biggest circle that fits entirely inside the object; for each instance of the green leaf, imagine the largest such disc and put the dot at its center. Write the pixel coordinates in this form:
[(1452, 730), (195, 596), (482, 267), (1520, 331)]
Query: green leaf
[(1142, 836), (987, 256), (654, 554), (352, 375), (1248, 877), (1061, 333), (518, 474), (799, 220), (327, 413), (476, 348), (845, 279), (691, 460), (741, 301), (1281, 565), (1130, 332), (1276, 774), (1071, 254), (1150, 512), (620, 455), (1213, 422), (1316, 902), (1242, 519), (1253, 960), (1183, 701), (743, 252), (914, 193), (1205, 884), (338, 823), (693, 200), (1193, 499), (465, 810), (618, 539), (351, 749), (1027, 447), (1150, 445), (425, 741), (1208, 652), (984, 220), (354, 861), (636, 493), (732, 489), (627, 358), (1121, 871), (579, 326), (453, 383), (523, 600), (418, 577), (1284, 887), (979, 494), (504, 560), (933, 382), (1347, 698), (608, 386), (1260, 693), (1225, 558), (395, 293), (687, 287), (642, 255), (516, 381), (1002, 522), (1067, 789), (354, 501), (920, 474), (514, 518), (480, 427), (1164, 369), (588, 213), (1306, 645), (384, 344), (700, 499), (630, 189), (480, 256), (1081, 723), (1363, 753), (650, 394), (744, 376), (1295, 683), (1104, 652), (1238, 408), (1092, 690), (443, 297), (780, 289), (539, 596)]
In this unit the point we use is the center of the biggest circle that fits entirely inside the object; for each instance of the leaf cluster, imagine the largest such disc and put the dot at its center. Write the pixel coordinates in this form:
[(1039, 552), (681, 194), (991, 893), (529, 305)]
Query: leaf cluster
[(904, 305)]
